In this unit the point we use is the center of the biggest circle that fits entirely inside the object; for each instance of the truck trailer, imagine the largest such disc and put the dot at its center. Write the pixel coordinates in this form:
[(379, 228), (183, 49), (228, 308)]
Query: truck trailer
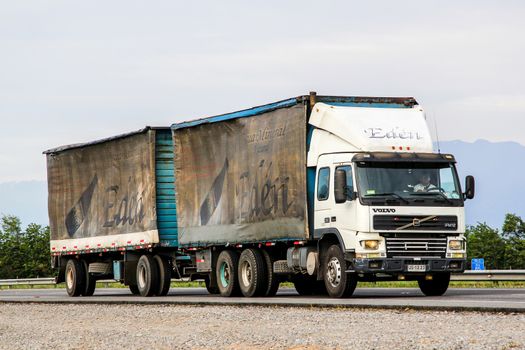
[(321, 191)]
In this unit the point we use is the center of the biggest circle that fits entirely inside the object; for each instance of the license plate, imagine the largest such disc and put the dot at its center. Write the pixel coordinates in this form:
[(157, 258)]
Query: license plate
[(416, 268)]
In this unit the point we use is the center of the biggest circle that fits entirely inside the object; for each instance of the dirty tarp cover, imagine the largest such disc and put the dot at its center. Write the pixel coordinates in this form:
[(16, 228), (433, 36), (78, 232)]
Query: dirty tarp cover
[(103, 189), (242, 180)]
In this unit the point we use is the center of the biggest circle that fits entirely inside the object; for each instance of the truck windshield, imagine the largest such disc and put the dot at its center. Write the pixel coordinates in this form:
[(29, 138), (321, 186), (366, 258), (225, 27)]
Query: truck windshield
[(408, 183)]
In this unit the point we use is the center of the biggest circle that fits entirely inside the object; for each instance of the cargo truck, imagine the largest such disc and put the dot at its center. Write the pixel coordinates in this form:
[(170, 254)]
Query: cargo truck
[(321, 191)]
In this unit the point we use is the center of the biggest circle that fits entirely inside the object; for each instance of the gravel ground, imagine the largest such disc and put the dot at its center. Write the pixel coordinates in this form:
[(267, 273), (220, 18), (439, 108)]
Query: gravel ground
[(48, 326)]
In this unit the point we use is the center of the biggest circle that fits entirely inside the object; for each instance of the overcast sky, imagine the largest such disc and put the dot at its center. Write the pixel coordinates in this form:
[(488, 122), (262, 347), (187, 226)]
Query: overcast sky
[(74, 71)]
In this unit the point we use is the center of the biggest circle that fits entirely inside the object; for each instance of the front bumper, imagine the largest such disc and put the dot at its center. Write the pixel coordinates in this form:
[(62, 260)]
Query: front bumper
[(405, 266)]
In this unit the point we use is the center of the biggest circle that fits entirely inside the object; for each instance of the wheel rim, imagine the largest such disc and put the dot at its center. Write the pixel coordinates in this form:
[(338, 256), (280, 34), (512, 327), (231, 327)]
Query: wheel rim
[(225, 274), (246, 273), (69, 278), (142, 276), (334, 272)]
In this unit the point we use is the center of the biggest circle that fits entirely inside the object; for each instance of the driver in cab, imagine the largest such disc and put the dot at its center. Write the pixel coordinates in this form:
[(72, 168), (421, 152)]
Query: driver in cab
[(424, 184)]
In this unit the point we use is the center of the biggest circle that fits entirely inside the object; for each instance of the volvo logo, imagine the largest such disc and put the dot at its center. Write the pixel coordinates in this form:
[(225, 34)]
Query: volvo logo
[(416, 222), (383, 210)]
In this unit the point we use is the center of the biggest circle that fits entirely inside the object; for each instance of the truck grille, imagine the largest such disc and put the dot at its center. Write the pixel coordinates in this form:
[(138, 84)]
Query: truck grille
[(402, 247), (416, 222)]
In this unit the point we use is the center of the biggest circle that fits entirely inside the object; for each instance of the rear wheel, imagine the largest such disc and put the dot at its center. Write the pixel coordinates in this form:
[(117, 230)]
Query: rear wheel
[(75, 278), (226, 272), (210, 287), (147, 276), (272, 279), (438, 285), (252, 274), (90, 281), (164, 283), (338, 282)]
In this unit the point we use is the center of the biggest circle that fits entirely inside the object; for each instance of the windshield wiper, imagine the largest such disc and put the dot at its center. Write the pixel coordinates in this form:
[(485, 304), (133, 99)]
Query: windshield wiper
[(441, 194), (387, 194)]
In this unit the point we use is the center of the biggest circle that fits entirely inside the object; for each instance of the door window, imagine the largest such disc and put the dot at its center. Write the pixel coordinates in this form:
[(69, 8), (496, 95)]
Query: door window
[(323, 184)]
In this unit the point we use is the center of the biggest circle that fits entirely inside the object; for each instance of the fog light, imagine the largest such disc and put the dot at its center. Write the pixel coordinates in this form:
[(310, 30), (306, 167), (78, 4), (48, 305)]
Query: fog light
[(457, 255), (375, 264), (371, 244), (455, 244), (454, 265)]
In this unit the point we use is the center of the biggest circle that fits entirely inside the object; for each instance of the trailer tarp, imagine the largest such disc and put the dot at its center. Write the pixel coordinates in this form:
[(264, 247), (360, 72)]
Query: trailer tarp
[(105, 189), (242, 180)]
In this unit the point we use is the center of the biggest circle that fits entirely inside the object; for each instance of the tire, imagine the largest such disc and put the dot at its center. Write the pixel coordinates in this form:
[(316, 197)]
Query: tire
[(339, 284), (272, 279), (134, 289), (90, 281), (164, 274), (307, 285), (226, 273), (147, 276), (435, 287), (75, 278), (212, 289), (252, 273)]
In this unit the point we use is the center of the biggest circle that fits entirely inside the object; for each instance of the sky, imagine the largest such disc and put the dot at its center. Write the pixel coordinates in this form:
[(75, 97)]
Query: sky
[(75, 71)]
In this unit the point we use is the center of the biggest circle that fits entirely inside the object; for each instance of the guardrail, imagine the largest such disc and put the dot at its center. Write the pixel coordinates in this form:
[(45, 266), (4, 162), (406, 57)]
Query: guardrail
[(489, 275), (469, 275)]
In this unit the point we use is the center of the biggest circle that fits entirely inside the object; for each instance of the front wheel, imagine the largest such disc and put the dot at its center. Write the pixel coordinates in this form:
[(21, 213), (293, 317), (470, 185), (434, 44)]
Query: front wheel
[(338, 282), (437, 286)]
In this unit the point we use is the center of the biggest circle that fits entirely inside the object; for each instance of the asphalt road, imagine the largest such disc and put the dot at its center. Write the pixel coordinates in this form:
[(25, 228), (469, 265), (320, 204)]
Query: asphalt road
[(493, 299)]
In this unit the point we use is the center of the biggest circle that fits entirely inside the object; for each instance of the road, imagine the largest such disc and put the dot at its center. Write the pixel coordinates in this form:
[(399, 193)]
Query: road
[(466, 299)]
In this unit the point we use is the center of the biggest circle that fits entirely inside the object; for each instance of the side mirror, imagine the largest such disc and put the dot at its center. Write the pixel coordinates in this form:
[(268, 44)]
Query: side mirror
[(340, 186), (470, 185)]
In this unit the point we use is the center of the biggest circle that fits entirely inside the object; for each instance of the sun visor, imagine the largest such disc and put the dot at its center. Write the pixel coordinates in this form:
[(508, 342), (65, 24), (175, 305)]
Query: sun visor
[(375, 129)]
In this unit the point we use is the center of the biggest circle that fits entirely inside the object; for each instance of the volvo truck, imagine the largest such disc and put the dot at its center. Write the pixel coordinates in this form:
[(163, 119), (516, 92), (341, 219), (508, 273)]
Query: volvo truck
[(320, 191)]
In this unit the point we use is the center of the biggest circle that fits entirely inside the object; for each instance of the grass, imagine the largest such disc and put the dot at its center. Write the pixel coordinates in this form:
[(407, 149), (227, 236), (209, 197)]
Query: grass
[(395, 284)]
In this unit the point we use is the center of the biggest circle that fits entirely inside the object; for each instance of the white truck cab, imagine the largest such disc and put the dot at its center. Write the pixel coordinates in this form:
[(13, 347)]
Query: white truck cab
[(396, 207)]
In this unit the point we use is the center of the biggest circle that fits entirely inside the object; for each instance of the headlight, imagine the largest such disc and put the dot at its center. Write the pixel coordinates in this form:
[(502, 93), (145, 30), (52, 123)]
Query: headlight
[(455, 244), (370, 244)]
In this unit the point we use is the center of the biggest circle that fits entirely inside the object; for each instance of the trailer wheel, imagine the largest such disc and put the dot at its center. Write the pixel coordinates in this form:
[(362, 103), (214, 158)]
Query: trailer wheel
[(90, 281), (437, 286), (226, 272), (338, 282), (134, 289), (75, 279), (252, 273), (212, 289), (147, 276), (272, 280), (306, 285), (164, 283)]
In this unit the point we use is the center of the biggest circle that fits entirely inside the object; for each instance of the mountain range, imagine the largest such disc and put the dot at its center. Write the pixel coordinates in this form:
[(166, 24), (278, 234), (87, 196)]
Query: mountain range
[(498, 167)]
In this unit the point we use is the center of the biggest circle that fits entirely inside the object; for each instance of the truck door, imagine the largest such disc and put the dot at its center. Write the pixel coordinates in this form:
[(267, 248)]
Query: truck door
[(343, 215), (324, 200)]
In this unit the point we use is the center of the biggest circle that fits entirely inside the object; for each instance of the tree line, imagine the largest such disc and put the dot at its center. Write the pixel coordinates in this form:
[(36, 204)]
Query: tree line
[(24, 253)]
